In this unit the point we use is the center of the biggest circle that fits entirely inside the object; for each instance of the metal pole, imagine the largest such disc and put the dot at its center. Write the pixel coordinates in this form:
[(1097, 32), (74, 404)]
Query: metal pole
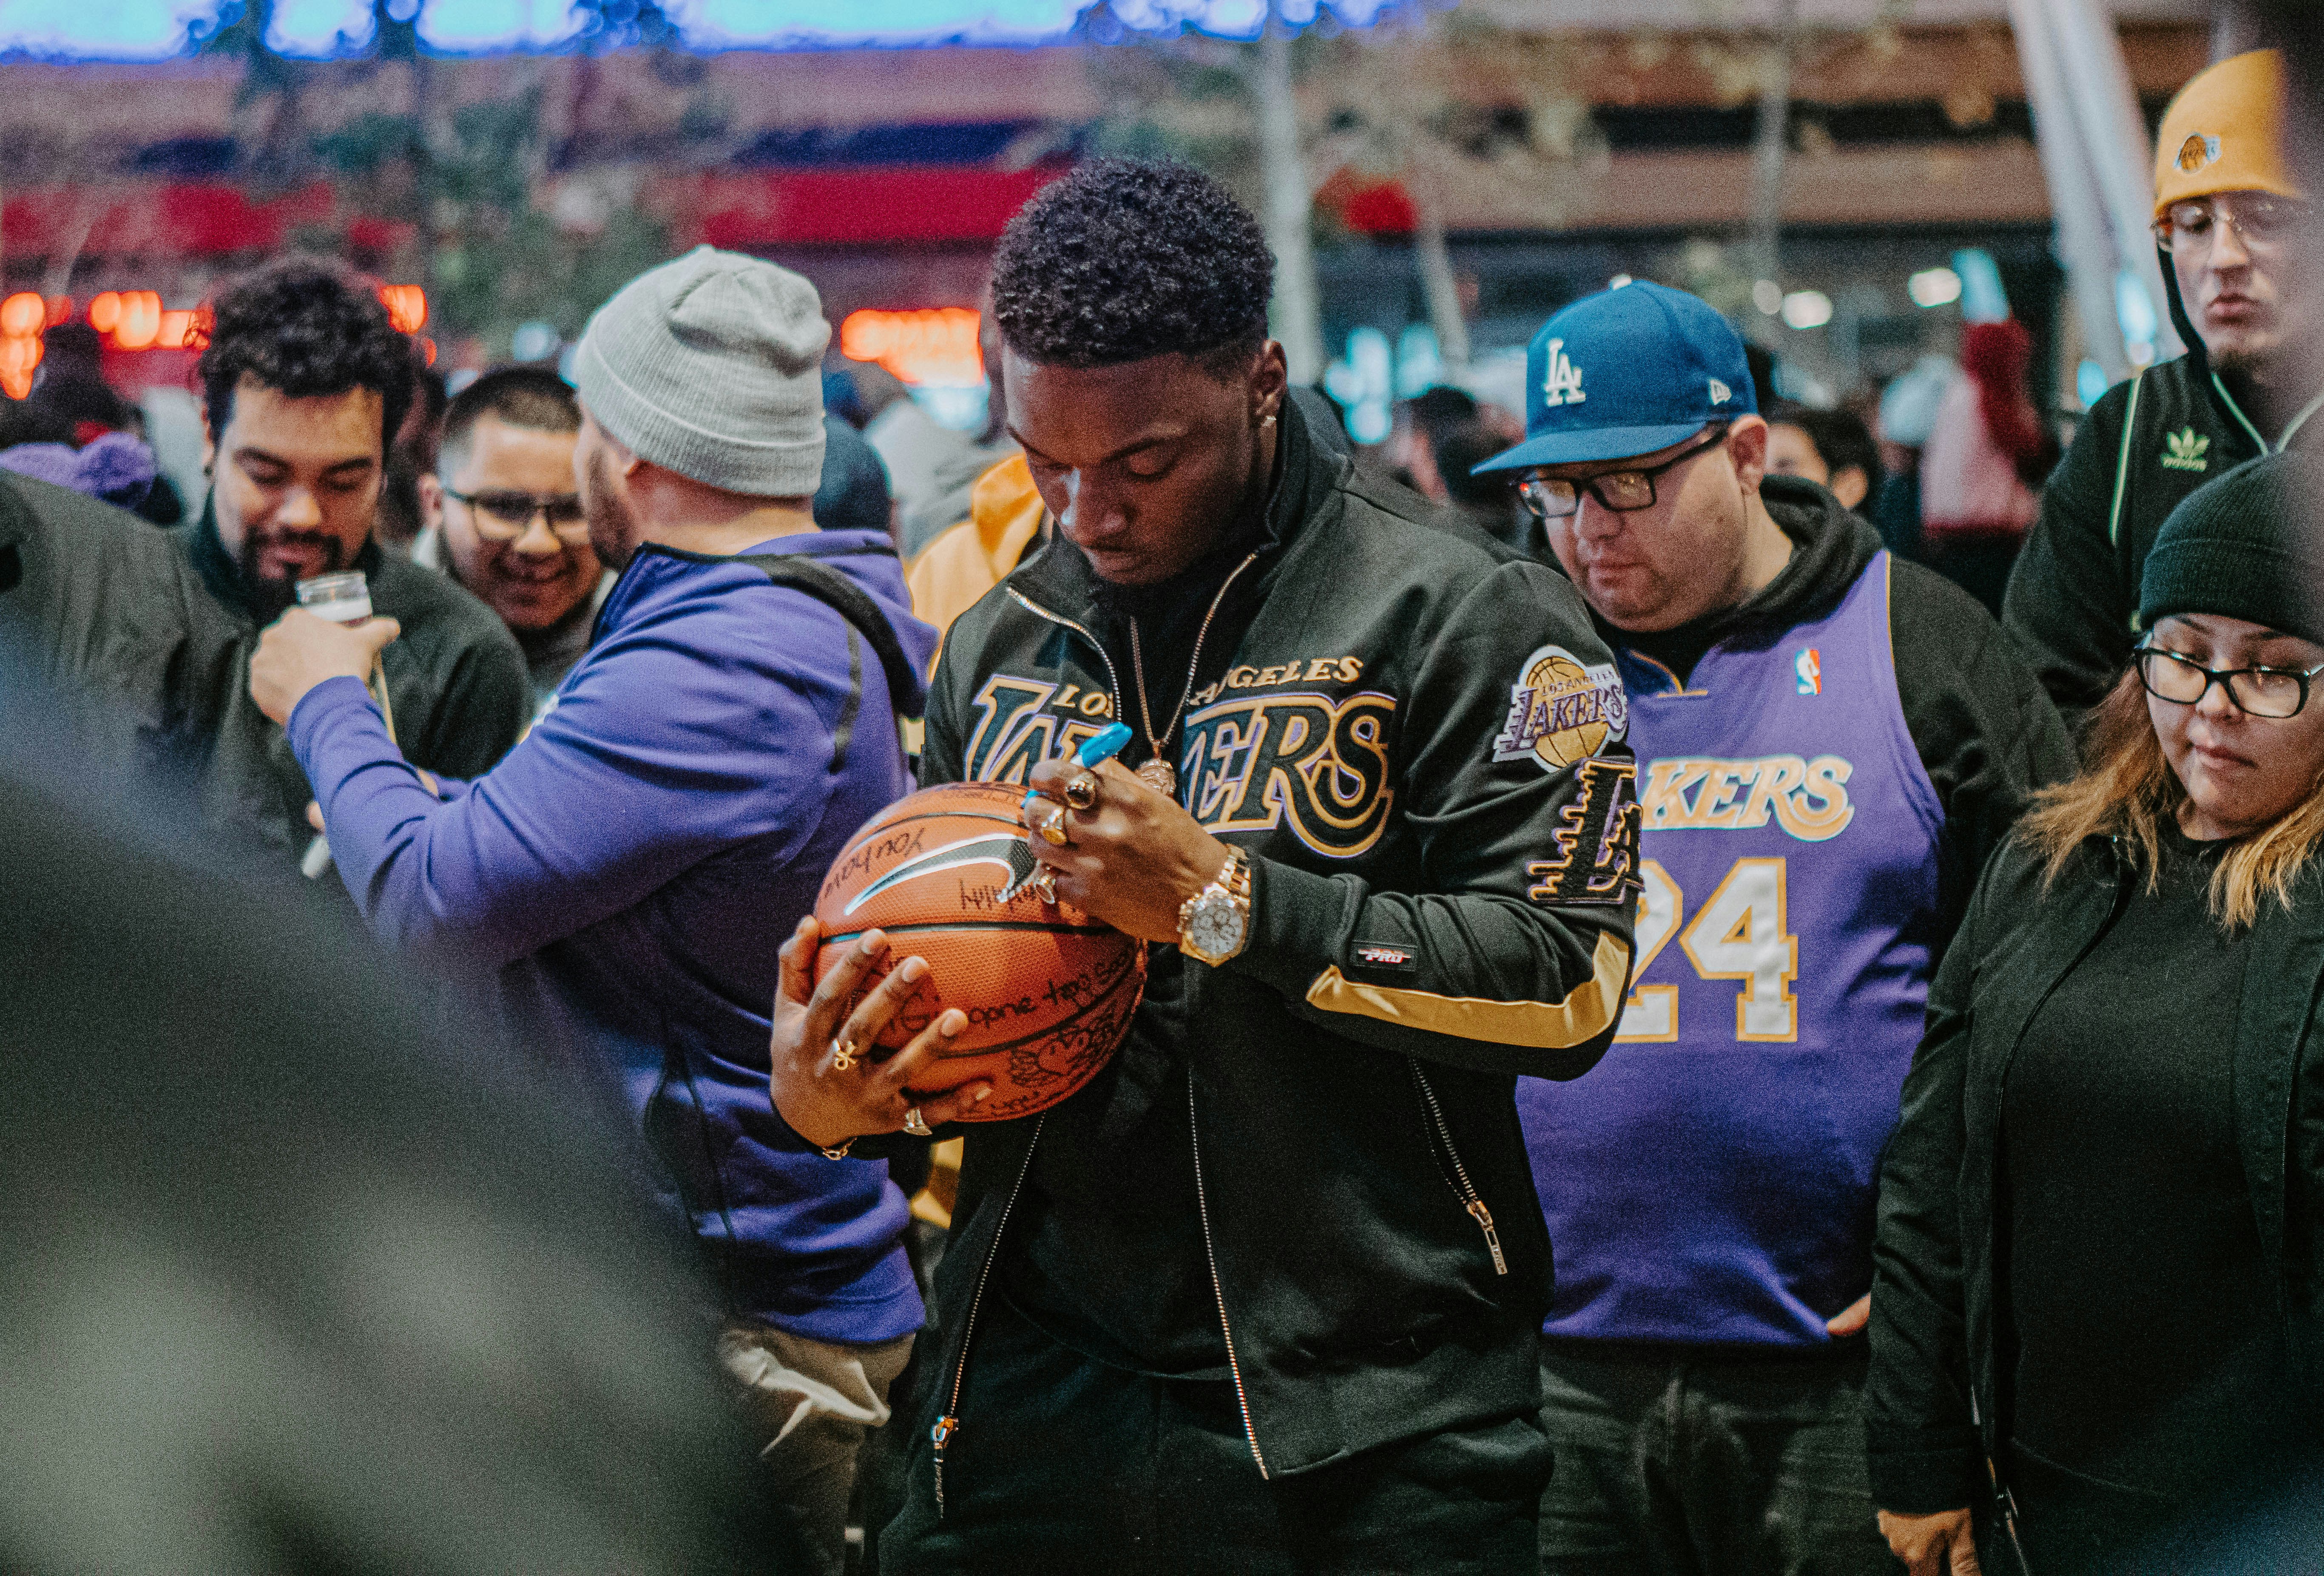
[(2106, 108), (2084, 243), (1768, 146), (1298, 310)]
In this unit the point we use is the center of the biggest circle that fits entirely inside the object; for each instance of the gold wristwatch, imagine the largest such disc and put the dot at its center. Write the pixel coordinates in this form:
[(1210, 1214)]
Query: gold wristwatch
[(1214, 924)]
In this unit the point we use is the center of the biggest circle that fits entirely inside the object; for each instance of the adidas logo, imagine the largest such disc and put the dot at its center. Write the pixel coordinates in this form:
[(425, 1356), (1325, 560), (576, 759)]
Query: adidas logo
[(2184, 450)]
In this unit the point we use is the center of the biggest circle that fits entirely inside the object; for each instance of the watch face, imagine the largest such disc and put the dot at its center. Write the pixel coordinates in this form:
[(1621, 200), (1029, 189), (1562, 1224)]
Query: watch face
[(1216, 926)]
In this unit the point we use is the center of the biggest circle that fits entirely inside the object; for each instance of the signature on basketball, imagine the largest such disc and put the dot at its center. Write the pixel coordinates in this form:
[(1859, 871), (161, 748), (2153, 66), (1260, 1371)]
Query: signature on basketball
[(900, 843)]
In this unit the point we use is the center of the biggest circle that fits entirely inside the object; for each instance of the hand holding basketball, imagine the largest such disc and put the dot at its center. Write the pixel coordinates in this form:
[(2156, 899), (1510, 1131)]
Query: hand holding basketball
[(827, 1104), (1134, 857)]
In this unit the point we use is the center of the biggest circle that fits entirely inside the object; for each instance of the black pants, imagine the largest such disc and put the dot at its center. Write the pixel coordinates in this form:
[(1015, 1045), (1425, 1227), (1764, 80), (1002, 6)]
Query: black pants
[(1063, 1465), (1673, 1462)]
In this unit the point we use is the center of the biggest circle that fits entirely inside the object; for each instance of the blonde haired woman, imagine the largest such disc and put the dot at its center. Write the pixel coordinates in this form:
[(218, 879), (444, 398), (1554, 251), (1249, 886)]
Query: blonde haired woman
[(2097, 1307)]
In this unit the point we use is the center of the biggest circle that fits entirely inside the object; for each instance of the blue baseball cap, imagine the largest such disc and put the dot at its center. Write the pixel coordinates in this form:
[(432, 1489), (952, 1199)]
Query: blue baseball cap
[(1627, 372)]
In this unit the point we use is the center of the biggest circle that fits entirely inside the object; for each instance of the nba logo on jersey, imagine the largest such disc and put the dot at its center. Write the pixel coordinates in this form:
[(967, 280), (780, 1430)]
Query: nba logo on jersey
[(1810, 670)]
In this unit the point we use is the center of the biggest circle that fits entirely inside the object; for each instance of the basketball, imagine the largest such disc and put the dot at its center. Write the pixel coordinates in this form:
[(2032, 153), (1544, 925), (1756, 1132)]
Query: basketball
[(1048, 991)]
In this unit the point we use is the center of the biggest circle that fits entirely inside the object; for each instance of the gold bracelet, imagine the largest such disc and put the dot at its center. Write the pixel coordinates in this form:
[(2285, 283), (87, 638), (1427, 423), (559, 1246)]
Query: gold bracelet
[(837, 1151)]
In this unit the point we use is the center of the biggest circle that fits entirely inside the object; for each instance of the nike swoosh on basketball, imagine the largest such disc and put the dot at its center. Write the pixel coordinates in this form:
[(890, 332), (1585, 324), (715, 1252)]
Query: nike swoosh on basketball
[(1006, 850)]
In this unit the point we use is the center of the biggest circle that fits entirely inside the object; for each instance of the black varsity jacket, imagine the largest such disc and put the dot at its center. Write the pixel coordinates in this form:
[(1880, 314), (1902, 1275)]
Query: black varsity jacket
[(1420, 742)]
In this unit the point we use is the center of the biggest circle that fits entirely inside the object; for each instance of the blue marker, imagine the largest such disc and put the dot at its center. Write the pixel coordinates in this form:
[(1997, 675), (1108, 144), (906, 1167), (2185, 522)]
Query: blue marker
[(1104, 746)]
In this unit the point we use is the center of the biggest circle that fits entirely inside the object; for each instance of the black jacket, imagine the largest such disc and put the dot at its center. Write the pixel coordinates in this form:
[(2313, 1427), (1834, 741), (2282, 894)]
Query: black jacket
[(1934, 1388), (146, 638), (2073, 604), (1424, 932), (456, 678), (1984, 731), (98, 611)]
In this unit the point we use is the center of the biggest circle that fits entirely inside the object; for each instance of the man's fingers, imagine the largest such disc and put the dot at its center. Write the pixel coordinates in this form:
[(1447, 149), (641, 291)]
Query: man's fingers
[(378, 634), (828, 1004), (1851, 1319), (797, 958), (909, 1067), (951, 1106), (315, 817), (879, 1008), (1964, 1561)]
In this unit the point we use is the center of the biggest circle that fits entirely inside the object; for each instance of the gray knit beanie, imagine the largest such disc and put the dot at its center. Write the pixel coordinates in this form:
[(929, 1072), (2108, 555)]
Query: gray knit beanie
[(711, 365), (2247, 544)]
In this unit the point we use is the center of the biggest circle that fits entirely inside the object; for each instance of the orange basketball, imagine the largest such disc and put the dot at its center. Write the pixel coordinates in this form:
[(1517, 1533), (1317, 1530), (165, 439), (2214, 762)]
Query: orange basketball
[(1048, 990)]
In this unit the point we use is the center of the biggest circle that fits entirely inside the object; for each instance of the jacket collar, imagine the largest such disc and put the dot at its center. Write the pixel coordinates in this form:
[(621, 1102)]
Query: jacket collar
[(1059, 576), (222, 577)]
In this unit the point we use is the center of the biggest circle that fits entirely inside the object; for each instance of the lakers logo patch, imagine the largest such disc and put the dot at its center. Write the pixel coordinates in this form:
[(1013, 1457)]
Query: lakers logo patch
[(1596, 838), (1562, 710)]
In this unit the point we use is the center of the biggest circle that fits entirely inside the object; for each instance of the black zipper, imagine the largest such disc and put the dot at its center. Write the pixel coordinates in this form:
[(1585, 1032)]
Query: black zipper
[(1471, 1200), (1217, 1286), (948, 1424)]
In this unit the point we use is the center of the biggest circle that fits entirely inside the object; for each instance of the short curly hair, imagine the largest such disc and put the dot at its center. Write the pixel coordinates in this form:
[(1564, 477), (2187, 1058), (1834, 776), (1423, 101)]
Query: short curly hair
[(306, 327), (1121, 259)]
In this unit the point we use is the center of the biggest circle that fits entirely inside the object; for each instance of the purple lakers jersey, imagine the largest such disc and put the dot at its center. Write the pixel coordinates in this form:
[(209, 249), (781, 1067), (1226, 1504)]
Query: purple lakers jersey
[(1711, 1179)]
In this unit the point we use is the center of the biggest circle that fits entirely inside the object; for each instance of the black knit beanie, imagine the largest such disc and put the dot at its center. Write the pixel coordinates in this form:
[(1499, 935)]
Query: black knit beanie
[(2249, 545)]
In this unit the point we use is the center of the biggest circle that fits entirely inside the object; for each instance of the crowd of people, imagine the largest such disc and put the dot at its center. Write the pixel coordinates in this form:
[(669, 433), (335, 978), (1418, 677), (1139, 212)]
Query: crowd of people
[(1674, 1040)]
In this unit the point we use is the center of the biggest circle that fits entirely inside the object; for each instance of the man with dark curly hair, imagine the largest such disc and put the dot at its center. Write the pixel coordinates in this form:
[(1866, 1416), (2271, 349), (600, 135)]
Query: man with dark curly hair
[(1262, 1295), (305, 382)]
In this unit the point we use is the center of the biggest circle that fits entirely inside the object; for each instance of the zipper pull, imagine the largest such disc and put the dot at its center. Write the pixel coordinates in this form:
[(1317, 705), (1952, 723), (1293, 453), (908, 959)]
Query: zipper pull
[(938, 1436), (1492, 1237)]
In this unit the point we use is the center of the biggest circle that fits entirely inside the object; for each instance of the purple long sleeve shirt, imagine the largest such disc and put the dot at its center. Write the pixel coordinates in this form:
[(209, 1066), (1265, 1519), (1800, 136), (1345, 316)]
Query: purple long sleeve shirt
[(632, 868)]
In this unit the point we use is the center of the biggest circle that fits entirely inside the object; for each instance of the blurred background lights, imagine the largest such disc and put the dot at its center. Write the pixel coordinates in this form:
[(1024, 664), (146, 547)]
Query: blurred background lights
[(1419, 362), (1807, 309), (155, 30), (1982, 298), (1934, 287), (2134, 309), (319, 29), (534, 341), (464, 27), (937, 346), (1767, 296), (1362, 382), (934, 352)]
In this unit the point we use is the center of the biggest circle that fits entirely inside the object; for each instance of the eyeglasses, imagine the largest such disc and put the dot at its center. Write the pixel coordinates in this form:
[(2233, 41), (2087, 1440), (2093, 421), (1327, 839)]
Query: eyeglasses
[(512, 514), (1625, 492), (2262, 221), (2259, 692)]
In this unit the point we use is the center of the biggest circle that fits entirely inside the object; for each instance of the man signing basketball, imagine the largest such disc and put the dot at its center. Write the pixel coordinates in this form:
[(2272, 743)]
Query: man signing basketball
[(1264, 1293)]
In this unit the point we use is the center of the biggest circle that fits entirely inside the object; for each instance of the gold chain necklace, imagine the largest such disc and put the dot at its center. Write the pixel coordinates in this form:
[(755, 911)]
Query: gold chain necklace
[(1156, 770)]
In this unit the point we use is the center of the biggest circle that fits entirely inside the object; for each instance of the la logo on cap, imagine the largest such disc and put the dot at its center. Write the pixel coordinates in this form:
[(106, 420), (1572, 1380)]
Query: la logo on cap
[(1563, 385)]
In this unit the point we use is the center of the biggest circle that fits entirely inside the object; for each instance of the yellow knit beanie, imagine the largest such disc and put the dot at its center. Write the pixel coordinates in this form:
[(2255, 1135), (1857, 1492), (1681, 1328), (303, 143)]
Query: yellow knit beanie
[(2225, 133)]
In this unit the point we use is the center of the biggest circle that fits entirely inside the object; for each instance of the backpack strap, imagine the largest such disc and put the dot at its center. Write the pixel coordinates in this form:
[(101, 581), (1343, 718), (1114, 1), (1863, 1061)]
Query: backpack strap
[(851, 602)]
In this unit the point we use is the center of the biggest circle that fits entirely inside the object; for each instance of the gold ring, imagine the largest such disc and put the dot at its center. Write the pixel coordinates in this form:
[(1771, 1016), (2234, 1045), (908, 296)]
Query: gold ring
[(1081, 789), (1053, 825), (843, 1054)]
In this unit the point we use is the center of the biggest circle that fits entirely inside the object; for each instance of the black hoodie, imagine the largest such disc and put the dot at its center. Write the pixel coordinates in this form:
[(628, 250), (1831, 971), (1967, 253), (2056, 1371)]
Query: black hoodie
[(2072, 606)]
